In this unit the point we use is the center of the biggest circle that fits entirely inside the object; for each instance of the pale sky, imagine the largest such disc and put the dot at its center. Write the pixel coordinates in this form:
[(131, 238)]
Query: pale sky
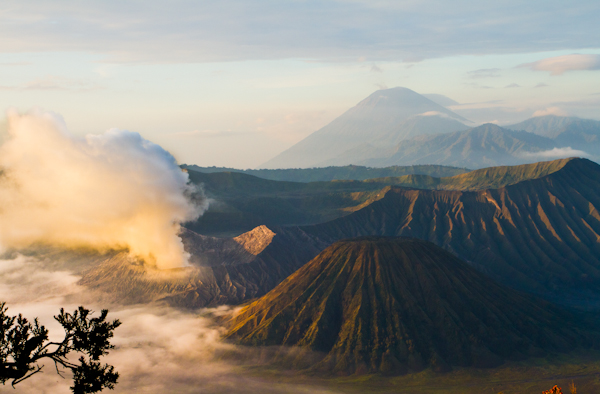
[(233, 83)]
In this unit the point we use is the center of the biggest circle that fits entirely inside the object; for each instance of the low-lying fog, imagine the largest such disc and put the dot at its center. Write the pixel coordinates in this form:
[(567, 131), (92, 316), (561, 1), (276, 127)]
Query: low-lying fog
[(158, 349)]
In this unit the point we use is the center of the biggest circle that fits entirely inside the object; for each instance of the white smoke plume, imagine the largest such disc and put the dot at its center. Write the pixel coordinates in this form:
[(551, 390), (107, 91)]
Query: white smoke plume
[(111, 190)]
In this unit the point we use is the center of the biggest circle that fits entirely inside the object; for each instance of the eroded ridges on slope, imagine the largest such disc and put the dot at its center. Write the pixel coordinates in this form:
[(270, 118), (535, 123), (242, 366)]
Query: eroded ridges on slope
[(221, 271), (539, 235), (395, 305)]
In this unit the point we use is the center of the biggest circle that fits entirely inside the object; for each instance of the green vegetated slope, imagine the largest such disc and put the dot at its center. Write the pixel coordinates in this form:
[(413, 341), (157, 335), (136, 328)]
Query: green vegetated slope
[(485, 178), (325, 174), (497, 177), (395, 305), (540, 235)]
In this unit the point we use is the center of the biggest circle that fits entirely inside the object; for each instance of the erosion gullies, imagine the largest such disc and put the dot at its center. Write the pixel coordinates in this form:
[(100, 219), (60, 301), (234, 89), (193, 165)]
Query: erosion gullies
[(393, 305), (221, 271), (242, 202), (539, 235), (533, 227)]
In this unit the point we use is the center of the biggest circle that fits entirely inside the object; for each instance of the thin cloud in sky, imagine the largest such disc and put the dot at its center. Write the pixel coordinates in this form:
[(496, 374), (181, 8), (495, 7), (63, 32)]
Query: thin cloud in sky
[(54, 82), (556, 153), (558, 65), (550, 111), (376, 69), (484, 73), (189, 31)]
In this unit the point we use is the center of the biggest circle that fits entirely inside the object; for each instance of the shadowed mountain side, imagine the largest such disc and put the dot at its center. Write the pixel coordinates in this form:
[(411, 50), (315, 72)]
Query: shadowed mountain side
[(420, 125), (326, 174), (396, 304), (222, 271), (378, 115), (242, 202), (482, 146), (539, 235)]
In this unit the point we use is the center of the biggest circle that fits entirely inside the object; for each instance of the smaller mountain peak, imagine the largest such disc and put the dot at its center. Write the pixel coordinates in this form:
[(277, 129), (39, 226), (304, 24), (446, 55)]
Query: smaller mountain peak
[(488, 125), (256, 240), (393, 304)]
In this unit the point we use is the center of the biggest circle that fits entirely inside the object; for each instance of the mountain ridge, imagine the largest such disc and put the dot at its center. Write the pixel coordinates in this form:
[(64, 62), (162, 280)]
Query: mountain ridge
[(540, 235), (482, 146)]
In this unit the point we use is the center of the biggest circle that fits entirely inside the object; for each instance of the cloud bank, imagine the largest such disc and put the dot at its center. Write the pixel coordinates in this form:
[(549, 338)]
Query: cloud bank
[(550, 111), (556, 153), (346, 30), (157, 349), (112, 190), (558, 65)]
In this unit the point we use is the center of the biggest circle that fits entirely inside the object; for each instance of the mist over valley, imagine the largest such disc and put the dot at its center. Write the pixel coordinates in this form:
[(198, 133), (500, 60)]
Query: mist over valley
[(300, 197)]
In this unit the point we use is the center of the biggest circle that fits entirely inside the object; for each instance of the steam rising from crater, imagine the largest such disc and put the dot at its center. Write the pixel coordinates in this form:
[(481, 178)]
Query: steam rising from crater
[(111, 190)]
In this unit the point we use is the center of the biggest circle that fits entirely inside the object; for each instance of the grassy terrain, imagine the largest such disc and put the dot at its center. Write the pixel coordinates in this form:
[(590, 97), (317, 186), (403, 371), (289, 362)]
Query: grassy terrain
[(485, 178), (529, 377)]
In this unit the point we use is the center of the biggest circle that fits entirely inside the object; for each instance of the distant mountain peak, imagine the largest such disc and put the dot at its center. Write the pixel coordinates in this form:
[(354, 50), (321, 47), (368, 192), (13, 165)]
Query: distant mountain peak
[(383, 113), (399, 97)]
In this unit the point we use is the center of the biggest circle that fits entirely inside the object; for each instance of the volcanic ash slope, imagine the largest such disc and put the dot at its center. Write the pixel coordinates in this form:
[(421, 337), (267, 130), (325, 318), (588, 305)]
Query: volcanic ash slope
[(395, 305)]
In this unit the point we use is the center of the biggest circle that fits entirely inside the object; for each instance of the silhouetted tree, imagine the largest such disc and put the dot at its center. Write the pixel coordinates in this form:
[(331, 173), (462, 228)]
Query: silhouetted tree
[(23, 344)]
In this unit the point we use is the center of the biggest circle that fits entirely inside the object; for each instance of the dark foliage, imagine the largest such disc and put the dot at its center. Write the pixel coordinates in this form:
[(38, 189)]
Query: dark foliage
[(23, 344)]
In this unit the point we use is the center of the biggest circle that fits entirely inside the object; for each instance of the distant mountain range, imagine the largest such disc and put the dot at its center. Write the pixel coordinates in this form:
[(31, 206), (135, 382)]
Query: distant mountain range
[(399, 127), (325, 174), (380, 117), (241, 202)]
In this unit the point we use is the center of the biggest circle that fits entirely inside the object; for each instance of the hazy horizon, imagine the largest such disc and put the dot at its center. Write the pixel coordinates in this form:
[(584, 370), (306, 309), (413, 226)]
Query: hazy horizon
[(235, 83)]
